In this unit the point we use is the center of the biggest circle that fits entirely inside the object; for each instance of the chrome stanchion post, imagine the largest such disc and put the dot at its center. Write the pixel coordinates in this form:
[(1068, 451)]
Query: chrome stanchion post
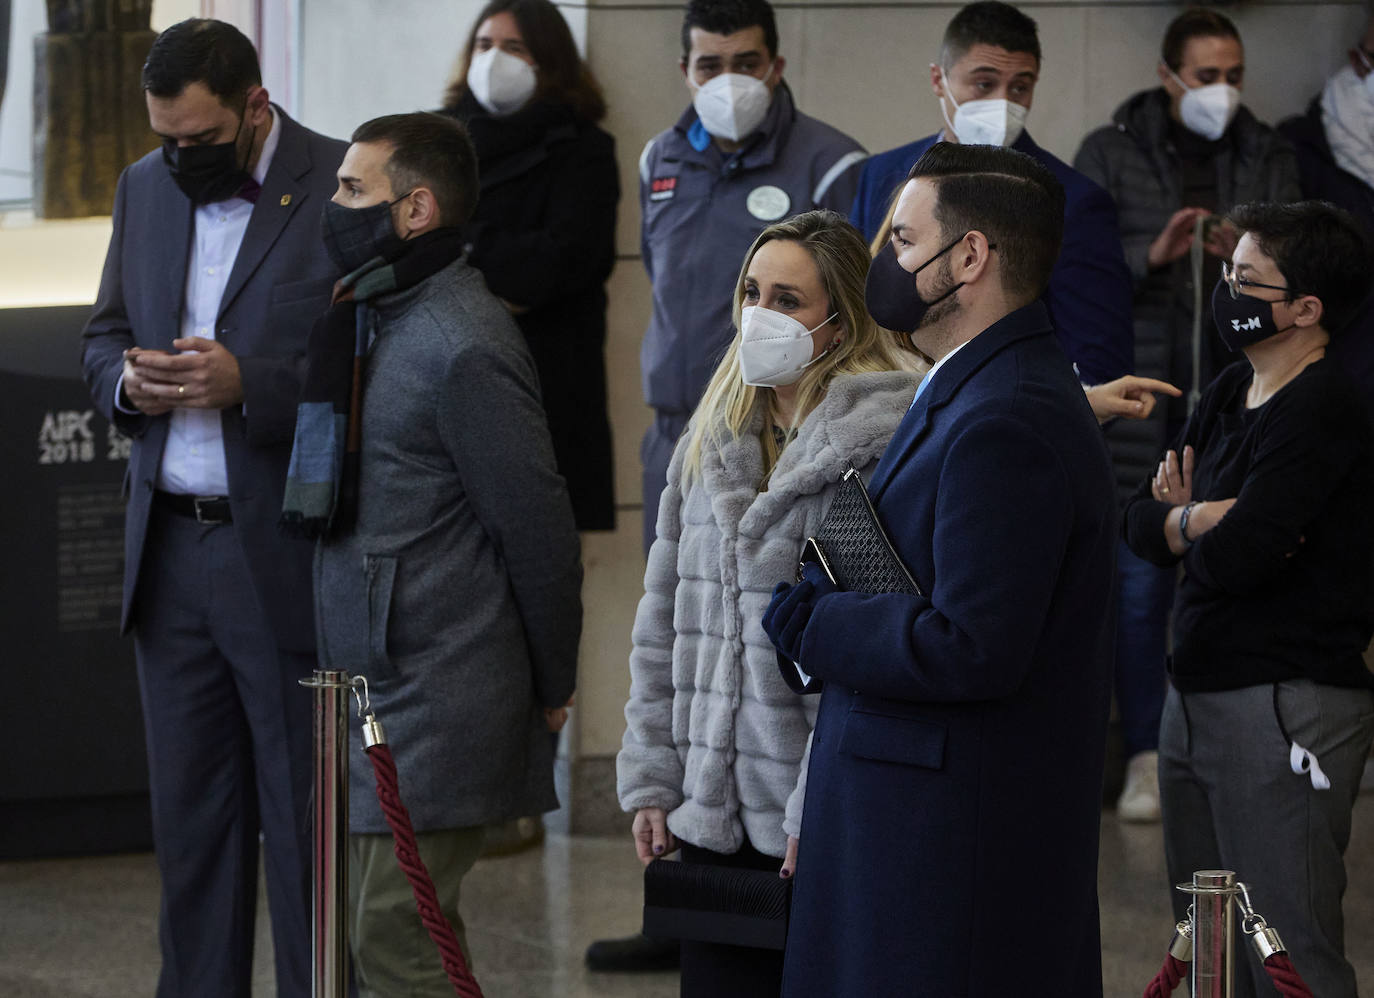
[(329, 944), (1212, 972), (1263, 937)]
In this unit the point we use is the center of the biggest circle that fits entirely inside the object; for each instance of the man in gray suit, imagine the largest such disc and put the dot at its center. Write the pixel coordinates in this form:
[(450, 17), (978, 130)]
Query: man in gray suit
[(213, 277), (453, 583)]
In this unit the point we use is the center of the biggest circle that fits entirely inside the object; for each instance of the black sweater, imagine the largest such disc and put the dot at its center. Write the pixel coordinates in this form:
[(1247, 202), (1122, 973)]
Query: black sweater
[(1283, 587)]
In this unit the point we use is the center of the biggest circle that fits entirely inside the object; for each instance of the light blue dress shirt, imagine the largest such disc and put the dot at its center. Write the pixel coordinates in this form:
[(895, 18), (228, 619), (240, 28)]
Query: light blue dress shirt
[(193, 457)]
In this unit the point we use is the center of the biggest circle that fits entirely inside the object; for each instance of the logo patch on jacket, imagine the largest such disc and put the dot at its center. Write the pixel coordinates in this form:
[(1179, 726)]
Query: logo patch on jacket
[(662, 188), (768, 203)]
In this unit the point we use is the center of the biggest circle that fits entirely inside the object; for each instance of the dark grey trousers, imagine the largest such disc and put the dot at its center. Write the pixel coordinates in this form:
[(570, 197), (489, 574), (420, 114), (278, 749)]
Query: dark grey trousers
[(1231, 801), (229, 756)]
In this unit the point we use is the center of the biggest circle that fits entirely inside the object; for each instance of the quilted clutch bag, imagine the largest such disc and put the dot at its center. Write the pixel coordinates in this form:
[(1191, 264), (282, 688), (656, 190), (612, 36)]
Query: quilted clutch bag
[(852, 547), (716, 904)]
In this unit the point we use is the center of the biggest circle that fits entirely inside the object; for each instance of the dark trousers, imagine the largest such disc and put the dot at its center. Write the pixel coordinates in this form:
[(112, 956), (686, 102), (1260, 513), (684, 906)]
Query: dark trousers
[(229, 755), (1145, 595), (710, 970), (1231, 801)]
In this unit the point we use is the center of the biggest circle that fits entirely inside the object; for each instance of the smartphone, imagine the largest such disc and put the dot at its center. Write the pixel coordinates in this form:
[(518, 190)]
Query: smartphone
[(813, 554)]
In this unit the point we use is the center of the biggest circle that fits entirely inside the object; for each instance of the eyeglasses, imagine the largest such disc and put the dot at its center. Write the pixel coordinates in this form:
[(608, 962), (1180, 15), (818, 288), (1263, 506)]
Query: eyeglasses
[(1235, 282)]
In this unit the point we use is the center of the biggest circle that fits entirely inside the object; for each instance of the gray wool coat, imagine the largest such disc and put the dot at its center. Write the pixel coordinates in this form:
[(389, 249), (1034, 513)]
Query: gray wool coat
[(457, 594), (713, 735)]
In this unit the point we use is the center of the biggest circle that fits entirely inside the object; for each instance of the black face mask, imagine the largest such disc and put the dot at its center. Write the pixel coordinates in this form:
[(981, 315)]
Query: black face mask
[(1243, 321), (207, 174), (356, 236), (890, 291)]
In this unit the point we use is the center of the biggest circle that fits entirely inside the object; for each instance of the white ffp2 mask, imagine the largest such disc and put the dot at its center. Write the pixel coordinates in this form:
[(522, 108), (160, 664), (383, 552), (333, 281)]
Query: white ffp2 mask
[(774, 349), (1208, 111), (501, 83), (731, 106), (993, 122)]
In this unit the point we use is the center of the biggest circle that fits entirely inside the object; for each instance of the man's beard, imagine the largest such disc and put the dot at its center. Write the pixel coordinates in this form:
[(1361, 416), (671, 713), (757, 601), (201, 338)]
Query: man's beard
[(942, 310)]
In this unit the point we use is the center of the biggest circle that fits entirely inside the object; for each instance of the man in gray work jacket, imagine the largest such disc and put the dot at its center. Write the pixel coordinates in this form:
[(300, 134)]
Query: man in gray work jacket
[(740, 157)]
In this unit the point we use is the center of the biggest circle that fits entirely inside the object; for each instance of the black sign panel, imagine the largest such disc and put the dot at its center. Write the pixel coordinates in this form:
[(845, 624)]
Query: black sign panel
[(75, 732)]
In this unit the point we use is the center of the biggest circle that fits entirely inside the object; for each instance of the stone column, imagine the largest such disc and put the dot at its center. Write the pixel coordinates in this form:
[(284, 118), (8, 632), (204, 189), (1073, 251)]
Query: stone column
[(90, 119)]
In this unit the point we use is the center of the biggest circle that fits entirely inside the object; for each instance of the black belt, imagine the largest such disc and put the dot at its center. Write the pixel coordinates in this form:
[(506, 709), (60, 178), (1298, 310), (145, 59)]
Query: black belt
[(211, 510)]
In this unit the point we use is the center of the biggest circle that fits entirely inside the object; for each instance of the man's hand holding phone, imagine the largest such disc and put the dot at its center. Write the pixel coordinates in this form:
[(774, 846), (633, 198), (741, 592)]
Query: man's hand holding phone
[(135, 388), (203, 375)]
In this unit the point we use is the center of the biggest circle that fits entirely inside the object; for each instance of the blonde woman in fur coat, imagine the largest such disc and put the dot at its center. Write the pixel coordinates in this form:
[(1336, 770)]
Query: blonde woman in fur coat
[(715, 749)]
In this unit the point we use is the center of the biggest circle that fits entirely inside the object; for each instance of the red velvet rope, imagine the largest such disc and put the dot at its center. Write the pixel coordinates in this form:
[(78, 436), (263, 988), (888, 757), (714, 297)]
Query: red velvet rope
[(1285, 977), (1279, 968), (408, 856), (1168, 977)]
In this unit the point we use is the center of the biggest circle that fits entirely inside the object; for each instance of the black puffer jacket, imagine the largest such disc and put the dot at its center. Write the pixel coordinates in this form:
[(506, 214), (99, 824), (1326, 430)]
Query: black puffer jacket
[(543, 236), (1135, 160), (1353, 346)]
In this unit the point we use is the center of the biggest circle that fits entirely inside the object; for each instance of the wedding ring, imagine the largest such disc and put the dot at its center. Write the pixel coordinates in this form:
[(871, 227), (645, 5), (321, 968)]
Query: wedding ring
[(181, 390), (1164, 489)]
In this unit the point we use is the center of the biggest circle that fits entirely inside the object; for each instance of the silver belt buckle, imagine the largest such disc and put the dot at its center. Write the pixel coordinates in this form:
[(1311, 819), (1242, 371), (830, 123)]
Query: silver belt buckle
[(201, 504)]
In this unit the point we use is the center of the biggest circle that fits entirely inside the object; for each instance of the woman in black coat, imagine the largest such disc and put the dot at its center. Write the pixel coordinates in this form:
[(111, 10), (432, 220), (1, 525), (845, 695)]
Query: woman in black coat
[(543, 233)]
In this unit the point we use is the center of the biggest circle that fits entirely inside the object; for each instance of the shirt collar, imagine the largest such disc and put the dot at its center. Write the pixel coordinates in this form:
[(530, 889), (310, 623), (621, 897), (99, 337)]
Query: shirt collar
[(941, 362), (269, 147)]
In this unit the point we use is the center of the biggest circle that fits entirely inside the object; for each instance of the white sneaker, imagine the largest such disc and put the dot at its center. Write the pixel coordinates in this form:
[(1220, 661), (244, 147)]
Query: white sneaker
[(1139, 800)]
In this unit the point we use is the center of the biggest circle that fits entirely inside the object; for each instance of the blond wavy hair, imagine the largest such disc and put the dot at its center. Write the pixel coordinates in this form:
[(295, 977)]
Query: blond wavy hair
[(729, 405)]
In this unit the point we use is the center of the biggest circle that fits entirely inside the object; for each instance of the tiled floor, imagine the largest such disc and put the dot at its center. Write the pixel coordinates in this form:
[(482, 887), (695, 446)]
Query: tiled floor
[(87, 927)]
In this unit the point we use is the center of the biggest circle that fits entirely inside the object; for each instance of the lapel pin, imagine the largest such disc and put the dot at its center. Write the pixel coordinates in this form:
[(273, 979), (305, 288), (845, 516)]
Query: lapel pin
[(285, 200)]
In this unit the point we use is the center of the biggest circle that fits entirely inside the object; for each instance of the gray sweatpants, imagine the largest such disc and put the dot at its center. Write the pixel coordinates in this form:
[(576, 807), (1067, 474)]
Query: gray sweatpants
[(1231, 801)]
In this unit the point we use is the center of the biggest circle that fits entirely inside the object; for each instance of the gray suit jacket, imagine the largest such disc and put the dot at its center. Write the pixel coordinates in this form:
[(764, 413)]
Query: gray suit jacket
[(457, 592), (280, 283)]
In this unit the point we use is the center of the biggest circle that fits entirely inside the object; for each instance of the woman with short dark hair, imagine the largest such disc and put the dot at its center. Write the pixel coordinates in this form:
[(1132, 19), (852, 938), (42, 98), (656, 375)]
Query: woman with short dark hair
[(1265, 501)]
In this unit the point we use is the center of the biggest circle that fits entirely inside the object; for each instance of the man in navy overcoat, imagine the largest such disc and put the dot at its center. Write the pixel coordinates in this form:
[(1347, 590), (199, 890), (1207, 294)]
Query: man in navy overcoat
[(949, 840)]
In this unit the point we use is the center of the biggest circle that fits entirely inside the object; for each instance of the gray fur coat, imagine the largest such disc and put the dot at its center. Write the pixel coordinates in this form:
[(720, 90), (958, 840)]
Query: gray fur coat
[(713, 735)]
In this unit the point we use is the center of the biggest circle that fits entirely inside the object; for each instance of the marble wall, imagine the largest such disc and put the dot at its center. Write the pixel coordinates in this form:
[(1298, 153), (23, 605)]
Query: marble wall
[(862, 66)]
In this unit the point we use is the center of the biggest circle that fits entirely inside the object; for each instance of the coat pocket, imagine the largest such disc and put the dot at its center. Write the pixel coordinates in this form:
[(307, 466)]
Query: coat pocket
[(885, 738), (381, 581)]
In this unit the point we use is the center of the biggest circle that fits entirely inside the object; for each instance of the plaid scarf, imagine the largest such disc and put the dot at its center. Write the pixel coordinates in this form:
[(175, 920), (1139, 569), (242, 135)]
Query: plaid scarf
[(322, 479)]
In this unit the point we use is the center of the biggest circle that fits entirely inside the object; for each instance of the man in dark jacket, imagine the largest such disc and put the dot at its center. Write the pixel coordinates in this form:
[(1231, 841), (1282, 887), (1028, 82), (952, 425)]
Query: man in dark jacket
[(741, 156), (1334, 142), (985, 80), (1175, 158), (214, 275), (957, 756)]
